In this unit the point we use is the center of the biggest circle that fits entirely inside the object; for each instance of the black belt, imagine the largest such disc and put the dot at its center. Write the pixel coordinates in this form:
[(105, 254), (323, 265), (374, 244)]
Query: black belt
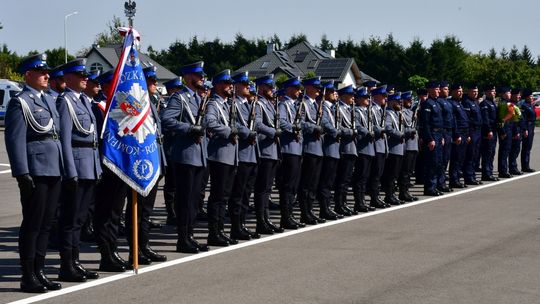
[(82, 144), (43, 137)]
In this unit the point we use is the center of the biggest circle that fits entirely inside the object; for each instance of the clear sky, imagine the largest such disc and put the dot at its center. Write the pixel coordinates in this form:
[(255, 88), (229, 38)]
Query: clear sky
[(39, 25)]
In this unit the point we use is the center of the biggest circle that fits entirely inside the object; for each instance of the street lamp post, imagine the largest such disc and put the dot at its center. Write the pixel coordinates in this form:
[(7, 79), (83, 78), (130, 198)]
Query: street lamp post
[(65, 34)]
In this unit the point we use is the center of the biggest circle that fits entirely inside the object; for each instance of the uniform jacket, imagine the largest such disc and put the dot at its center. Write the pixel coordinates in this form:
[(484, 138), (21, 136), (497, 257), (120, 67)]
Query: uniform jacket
[(411, 136), (312, 144), (291, 143), (348, 141), (330, 139), (473, 111), (381, 145), (394, 132), (220, 146), (448, 113), (461, 124), (268, 148), (431, 119), (364, 143), (247, 152), (528, 116), (488, 108)]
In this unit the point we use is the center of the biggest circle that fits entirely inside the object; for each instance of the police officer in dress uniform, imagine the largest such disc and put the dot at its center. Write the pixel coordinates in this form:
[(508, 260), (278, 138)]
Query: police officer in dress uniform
[(488, 107), (410, 148), (347, 147), (82, 168), (472, 108), (516, 138), (422, 94), (145, 204), (448, 117), (172, 86), (182, 118), (221, 120), (92, 85), (394, 130), (505, 113), (431, 133), (460, 137), (269, 140), (364, 148), (312, 150), (57, 84), (331, 152), (381, 146), (35, 155), (527, 127)]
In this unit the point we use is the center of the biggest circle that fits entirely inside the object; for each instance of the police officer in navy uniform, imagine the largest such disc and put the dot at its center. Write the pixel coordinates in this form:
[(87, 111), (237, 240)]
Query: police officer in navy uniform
[(431, 133), (182, 119), (221, 121), (515, 98), (270, 151), (505, 131), (331, 152), (57, 84), (527, 128), (35, 155), (471, 106), (312, 150), (292, 113), (448, 117), (145, 204), (347, 147), (378, 109), (82, 170), (488, 107), (410, 148), (364, 148), (394, 130), (460, 137)]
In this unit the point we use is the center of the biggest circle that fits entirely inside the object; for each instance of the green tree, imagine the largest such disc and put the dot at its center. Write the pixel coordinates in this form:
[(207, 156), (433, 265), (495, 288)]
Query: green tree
[(295, 39), (326, 44), (55, 57), (111, 34), (417, 81)]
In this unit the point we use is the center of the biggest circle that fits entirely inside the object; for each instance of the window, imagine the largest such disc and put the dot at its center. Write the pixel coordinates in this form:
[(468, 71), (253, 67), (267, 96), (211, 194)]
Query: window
[(312, 64), (96, 66), (2, 93), (265, 64)]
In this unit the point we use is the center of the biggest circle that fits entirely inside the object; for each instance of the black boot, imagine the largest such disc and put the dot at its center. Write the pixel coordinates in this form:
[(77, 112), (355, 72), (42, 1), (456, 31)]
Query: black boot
[(262, 227), (237, 232), (141, 257), (252, 234), (304, 214), (269, 223), (116, 256), (286, 221), (39, 264), (79, 267), (391, 199), (87, 232), (151, 254), (222, 233), (290, 205), (338, 204), (108, 260), (311, 213), (345, 206), (169, 207), (29, 281), (68, 273), (376, 202), (325, 212), (183, 244), (214, 237), (360, 202)]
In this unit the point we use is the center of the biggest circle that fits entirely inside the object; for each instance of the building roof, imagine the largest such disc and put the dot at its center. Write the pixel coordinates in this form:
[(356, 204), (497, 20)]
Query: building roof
[(111, 55), (302, 59)]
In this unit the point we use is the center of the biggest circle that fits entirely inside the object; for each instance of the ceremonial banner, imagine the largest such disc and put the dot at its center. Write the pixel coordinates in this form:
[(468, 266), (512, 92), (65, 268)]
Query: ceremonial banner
[(129, 136)]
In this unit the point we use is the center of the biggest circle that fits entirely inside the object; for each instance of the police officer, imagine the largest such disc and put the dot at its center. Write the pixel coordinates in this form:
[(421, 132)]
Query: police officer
[(364, 148), (347, 148), (249, 121), (410, 148), (460, 137), (92, 85), (431, 133), (312, 150), (35, 155), (172, 86), (57, 84), (516, 131), (394, 130), (291, 112), (527, 128), (448, 118), (471, 106), (270, 150), (422, 94), (145, 204), (183, 118), (331, 152), (381, 146), (221, 120), (505, 113), (82, 168), (488, 107)]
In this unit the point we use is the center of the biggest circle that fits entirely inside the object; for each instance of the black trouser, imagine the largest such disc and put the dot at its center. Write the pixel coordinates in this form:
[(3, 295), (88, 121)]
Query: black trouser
[(362, 169), (290, 177), (345, 169), (74, 205), (391, 172), (145, 206), (309, 179), (264, 183), (110, 198), (220, 190), (327, 178), (188, 193), (407, 169), (377, 169), (456, 162), (244, 181), (204, 183), (169, 186), (38, 210)]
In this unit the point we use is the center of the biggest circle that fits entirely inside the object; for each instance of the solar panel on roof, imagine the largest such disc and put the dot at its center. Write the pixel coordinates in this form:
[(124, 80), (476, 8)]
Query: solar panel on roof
[(299, 57)]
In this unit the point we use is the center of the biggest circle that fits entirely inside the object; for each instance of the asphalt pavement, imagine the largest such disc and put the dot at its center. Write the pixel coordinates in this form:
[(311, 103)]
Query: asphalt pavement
[(476, 246)]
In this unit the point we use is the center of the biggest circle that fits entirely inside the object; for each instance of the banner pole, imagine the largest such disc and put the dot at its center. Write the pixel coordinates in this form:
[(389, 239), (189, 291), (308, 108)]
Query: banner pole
[(135, 223)]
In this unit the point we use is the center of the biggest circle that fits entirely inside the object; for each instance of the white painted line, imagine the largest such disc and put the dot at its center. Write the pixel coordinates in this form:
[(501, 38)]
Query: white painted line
[(5, 165), (5, 171), (203, 255)]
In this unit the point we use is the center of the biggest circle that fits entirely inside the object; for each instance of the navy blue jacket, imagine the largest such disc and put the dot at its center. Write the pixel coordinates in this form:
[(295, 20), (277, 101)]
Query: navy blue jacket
[(489, 116), (461, 125), (431, 119)]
